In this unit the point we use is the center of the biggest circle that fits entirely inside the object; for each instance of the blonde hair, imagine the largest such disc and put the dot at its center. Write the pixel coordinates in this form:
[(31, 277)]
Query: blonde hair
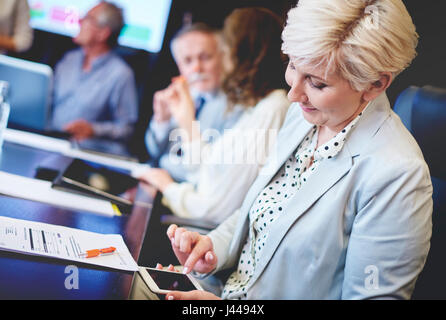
[(358, 39)]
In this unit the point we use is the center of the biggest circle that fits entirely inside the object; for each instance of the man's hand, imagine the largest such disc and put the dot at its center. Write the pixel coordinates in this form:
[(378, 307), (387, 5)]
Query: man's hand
[(182, 107), (161, 112), (80, 129)]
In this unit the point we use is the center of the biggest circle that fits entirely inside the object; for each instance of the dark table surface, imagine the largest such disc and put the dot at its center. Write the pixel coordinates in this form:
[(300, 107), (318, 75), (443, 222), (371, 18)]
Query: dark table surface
[(31, 277)]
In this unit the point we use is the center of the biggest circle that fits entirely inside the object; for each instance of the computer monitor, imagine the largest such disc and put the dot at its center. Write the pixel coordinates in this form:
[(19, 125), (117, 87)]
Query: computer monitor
[(145, 20), (30, 86)]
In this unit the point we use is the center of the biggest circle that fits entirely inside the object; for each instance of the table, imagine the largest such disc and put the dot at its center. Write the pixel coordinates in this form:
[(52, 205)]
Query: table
[(32, 277)]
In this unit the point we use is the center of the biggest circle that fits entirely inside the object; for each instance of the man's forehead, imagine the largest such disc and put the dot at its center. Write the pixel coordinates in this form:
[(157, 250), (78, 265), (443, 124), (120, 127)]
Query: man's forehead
[(194, 43), (197, 36), (96, 9)]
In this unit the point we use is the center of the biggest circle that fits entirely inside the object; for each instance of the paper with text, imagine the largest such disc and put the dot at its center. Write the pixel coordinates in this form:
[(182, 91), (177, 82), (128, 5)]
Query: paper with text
[(65, 243)]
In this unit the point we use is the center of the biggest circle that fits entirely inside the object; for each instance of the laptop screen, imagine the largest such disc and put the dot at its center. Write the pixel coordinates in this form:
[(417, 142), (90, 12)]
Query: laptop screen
[(30, 86)]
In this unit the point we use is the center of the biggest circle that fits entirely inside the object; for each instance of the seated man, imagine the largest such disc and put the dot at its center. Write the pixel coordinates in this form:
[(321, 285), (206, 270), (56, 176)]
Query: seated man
[(94, 89), (197, 52)]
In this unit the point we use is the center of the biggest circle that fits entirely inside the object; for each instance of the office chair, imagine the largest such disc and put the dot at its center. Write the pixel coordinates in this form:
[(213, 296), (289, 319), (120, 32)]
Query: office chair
[(423, 112)]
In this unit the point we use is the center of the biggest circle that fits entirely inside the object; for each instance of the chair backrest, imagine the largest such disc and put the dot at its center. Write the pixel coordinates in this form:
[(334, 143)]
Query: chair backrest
[(423, 112)]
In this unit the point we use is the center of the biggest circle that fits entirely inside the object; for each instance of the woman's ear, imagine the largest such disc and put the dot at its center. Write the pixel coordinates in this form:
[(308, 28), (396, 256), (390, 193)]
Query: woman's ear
[(378, 86)]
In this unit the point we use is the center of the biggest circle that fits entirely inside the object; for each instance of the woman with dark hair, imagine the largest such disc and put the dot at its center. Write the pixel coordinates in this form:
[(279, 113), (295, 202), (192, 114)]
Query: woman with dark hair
[(257, 63), (225, 168)]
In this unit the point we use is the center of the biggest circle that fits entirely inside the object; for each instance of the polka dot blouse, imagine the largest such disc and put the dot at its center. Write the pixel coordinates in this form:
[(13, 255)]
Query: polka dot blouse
[(267, 208)]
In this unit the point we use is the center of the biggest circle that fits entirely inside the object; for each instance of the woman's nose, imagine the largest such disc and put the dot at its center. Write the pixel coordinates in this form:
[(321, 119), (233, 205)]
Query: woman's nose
[(296, 93)]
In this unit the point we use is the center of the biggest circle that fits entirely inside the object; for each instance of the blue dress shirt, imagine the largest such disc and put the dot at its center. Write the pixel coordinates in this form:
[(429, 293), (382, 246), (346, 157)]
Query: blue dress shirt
[(211, 112), (105, 96)]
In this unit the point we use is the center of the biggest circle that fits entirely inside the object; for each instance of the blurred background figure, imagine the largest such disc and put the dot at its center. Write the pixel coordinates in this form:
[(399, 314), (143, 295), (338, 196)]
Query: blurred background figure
[(253, 67), (197, 51), (94, 89), (15, 33)]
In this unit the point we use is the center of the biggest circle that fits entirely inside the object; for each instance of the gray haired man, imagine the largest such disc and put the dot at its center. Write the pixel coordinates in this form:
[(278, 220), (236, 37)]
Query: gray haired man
[(94, 89)]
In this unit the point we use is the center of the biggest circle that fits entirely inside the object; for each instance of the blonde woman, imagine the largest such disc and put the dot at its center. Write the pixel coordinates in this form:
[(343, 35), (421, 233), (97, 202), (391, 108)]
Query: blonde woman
[(346, 195)]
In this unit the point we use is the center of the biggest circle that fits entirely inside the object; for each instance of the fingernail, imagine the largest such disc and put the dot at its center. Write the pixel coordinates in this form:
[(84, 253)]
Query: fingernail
[(210, 256), (158, 265), (170, 298), (185, 270)]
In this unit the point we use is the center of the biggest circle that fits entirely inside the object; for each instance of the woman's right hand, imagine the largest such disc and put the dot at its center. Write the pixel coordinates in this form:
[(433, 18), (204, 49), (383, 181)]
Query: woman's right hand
[(193, 250)]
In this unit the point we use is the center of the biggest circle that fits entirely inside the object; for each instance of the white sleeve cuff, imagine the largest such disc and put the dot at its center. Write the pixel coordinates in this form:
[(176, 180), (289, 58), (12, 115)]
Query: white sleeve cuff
[(173, 197), (160, 129)]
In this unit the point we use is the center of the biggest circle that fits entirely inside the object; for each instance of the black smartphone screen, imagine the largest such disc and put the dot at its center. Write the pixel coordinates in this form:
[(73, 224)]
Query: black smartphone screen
[(171, 280)]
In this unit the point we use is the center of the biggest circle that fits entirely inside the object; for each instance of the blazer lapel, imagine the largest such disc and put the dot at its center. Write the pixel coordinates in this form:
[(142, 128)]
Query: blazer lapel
[(327, 174), (293, 131)]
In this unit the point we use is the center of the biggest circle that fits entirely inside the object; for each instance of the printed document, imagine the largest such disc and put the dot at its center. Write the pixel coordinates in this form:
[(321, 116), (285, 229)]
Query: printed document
[(49, 240)]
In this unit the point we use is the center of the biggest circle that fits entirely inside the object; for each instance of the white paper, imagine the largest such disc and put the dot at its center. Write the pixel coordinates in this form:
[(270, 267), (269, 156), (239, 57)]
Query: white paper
[(36, 141), (41, 191), (49, 240), (65, 148)]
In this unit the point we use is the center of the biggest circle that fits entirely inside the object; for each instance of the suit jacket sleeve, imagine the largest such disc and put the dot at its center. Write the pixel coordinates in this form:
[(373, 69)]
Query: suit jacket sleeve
[(157, 138)]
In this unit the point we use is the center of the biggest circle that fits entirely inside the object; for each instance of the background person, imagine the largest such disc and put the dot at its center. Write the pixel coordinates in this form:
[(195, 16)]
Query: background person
[(15, 33), (197, 52), (254, 82), (94, 89), (347, 195)]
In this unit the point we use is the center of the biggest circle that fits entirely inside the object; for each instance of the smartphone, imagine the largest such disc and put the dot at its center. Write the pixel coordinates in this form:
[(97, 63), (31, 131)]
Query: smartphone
[(164, 281)]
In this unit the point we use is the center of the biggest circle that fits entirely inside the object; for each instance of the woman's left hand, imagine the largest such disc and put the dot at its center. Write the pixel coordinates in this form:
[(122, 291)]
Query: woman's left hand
[(191, 295), (159, 178), (187, 295)]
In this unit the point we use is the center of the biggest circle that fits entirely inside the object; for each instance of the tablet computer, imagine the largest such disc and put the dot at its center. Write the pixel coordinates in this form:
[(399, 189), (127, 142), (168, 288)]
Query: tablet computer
[(97, 180), (104, 147)]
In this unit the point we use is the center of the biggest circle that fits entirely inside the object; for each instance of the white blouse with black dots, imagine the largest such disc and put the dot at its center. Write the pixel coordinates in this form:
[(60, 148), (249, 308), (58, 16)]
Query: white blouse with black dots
[(268, 205)]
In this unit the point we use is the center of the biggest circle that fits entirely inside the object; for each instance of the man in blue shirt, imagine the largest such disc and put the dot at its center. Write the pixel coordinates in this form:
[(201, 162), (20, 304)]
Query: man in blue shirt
[(197, 51), (94, 89)]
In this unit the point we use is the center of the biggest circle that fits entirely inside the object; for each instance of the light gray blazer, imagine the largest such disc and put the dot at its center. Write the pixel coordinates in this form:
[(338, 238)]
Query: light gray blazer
[(359, 228)]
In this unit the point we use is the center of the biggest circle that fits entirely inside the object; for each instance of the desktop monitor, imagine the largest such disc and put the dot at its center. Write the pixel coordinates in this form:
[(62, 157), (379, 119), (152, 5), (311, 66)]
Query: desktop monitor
[(145, 20), (30, 86)]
